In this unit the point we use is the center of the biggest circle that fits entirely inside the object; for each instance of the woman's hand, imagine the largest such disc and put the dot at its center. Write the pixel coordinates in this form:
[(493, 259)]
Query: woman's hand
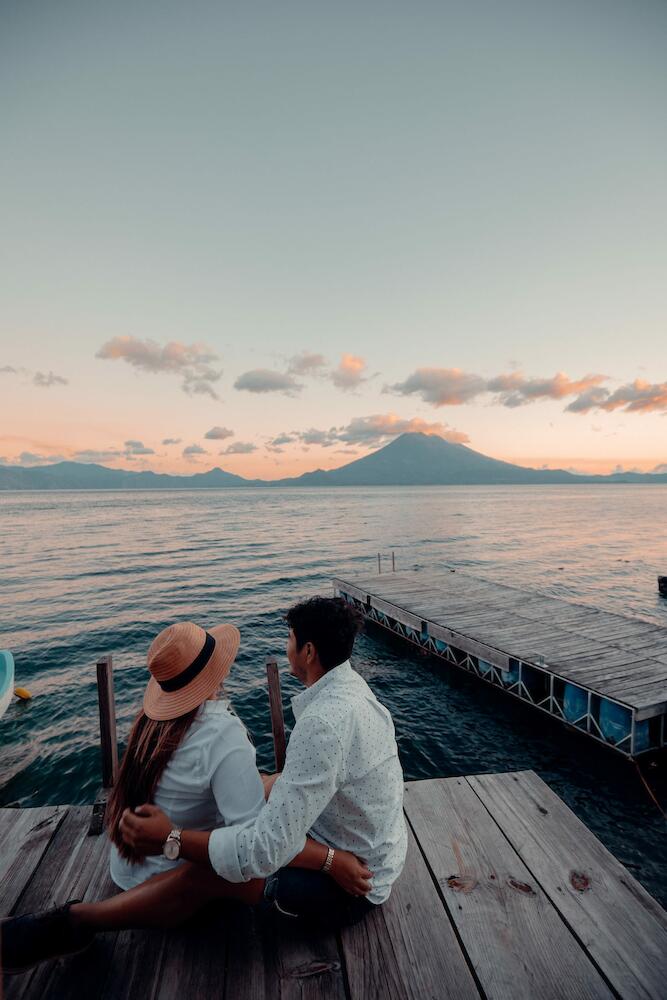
[(146, 829), (351, 873)]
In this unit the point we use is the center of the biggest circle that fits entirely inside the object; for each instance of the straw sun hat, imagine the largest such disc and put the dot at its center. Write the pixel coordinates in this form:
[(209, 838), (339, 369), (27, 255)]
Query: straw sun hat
[(187, 665)]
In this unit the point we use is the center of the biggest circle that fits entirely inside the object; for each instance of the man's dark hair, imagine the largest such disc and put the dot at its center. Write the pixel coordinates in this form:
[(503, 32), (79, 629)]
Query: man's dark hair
[(330, 624)]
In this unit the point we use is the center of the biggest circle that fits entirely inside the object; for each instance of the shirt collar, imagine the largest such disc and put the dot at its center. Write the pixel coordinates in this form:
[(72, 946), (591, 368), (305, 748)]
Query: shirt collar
[(338, 674), (214, 706)]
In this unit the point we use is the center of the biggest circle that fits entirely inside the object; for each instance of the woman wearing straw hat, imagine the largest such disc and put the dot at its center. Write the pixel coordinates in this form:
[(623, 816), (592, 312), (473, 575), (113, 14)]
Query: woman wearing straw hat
[(187, 752)]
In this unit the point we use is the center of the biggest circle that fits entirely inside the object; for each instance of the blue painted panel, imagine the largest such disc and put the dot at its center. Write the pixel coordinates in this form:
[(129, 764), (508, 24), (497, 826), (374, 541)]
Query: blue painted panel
[(575, 702), (484, 666), (441, 646), (616, 723), (511, 676)]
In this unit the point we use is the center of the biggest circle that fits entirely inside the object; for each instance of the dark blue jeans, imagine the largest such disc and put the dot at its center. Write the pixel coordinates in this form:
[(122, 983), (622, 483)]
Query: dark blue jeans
[(313, 897)]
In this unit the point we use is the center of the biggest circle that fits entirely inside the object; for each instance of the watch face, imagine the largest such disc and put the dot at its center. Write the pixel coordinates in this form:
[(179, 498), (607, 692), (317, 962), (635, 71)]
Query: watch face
[(171, 850)]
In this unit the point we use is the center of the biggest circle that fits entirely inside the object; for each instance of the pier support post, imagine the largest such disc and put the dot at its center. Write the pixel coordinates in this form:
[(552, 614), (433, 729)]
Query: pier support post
[(277, 719), (108, 741), (107, 706)]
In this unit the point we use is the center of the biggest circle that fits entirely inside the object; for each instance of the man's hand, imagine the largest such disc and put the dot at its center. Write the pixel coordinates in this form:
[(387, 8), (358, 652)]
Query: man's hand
[(145, 829), (351, 873)]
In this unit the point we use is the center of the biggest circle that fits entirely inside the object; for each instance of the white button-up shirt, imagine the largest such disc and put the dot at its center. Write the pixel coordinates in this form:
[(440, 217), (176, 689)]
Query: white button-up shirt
[(210, 779), (342, 784)]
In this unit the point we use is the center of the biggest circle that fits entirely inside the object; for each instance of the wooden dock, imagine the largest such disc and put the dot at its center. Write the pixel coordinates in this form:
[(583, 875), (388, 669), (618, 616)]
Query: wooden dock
[(604, 674), (505, 895)]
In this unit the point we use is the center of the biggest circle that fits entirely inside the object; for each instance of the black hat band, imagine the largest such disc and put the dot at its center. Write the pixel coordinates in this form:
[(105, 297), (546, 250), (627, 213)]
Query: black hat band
[(195, 668)]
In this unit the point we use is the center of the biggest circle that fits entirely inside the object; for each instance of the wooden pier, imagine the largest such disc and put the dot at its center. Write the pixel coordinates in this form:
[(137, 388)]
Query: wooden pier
[(603, 674), (505, 895)]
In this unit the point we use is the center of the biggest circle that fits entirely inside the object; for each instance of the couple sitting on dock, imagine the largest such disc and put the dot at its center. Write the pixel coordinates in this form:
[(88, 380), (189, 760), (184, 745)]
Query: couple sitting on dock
[(192, 820)]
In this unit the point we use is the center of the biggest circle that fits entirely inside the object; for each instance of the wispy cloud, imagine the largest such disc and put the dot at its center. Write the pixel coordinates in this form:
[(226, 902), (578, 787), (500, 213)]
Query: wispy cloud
[(282, 439), (191, 451), (137, 448), (306, 364), (239, 448), (323, 438), (634, 397), (517, 390), (440, 386), (192, 362), (171, 440), (218, 433), (45, 381), (454, 387), (261, 380)]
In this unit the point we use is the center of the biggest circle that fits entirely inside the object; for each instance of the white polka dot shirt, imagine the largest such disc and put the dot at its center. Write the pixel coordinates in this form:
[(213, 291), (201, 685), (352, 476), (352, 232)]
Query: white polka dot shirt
[(342, 784)]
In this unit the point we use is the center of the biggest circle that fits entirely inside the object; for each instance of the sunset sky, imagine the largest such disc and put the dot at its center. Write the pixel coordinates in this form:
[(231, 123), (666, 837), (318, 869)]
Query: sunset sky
[(270, 237)]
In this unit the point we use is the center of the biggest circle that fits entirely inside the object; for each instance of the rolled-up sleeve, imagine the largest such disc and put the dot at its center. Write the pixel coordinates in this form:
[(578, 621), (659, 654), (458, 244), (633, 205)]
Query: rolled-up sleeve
[(312, 774)]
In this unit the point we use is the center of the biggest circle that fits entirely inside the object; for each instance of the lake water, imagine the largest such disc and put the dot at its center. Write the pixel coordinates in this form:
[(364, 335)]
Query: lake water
[(90, 573)]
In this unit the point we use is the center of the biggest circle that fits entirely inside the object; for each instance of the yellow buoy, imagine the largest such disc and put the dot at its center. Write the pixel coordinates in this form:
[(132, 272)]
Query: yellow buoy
[(23, 694)]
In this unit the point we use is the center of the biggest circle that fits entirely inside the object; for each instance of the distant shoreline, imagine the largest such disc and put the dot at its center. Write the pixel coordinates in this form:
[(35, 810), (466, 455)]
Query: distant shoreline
[(320, 486), (409, 460)]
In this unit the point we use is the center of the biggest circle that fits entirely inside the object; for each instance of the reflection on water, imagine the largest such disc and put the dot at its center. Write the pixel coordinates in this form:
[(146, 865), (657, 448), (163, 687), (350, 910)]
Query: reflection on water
[(89, 573)]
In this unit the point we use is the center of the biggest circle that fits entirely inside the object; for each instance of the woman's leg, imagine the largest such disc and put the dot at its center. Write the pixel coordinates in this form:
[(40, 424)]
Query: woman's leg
[(164, 900)]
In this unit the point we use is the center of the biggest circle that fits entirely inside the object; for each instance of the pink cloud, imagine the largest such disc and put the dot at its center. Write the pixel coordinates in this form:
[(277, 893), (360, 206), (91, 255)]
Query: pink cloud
[(350, 372)]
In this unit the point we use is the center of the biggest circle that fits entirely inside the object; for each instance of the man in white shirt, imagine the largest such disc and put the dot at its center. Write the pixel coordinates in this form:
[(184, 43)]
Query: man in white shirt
[(342, 784)]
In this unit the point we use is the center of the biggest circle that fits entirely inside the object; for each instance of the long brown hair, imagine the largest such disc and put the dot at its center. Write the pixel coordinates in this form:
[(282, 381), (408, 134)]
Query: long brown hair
[(149, 750)]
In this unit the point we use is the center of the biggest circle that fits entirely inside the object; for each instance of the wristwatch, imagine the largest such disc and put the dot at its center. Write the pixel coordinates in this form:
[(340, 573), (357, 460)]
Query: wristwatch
[(172, 846)]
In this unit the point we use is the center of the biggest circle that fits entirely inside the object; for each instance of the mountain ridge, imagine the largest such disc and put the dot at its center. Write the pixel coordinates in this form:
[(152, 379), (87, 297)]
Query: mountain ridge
[(411, 459)]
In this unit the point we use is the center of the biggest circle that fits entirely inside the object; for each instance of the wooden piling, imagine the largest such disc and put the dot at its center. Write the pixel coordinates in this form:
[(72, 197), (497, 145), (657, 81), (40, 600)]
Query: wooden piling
[(108, 741), (379, 563), (107, 707), (277, 719)]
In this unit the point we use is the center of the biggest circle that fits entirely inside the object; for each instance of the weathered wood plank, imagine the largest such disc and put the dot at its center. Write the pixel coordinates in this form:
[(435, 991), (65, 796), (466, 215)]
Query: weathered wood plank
[(271, 957), (80, 873), (190, 961), (618, 922), (408, 948), (514, 938), (26, 835)]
